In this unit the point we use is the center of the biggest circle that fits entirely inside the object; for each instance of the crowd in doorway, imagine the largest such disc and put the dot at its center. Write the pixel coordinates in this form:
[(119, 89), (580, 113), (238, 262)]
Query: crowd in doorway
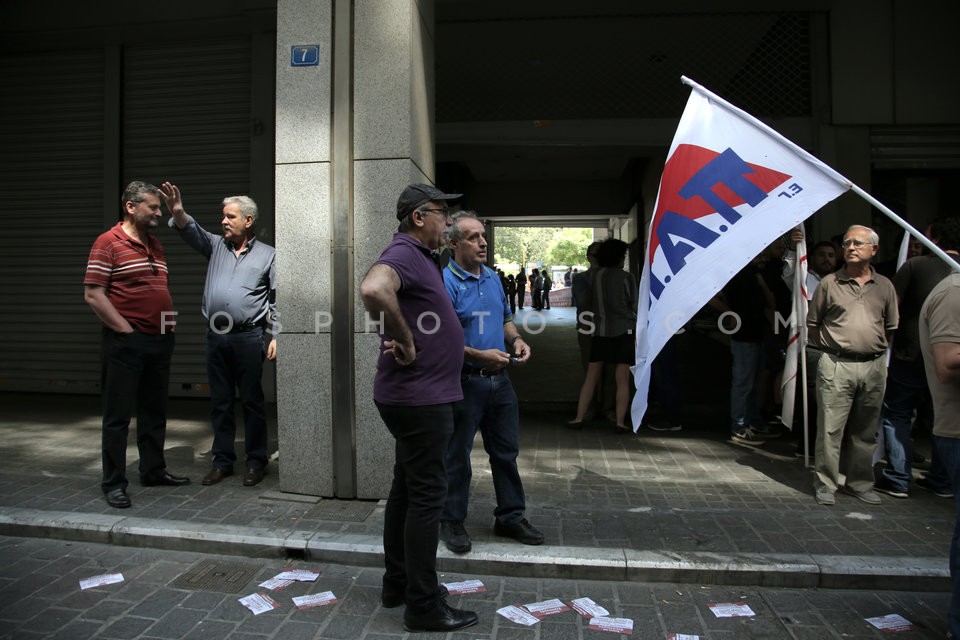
[(537, 286)]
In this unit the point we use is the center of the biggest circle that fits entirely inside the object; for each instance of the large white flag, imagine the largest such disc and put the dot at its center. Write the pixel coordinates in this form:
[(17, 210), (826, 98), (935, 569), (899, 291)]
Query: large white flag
[(797, 338), (730, 186)]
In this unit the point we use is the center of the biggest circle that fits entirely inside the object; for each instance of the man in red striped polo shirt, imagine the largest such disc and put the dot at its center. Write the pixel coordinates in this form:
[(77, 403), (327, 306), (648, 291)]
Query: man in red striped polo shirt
[(126, 286)]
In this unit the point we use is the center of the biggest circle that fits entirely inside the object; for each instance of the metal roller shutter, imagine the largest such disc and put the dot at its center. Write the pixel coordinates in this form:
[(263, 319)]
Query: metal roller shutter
[(184, 117), (186, 110), (51, 186), (916, 147)]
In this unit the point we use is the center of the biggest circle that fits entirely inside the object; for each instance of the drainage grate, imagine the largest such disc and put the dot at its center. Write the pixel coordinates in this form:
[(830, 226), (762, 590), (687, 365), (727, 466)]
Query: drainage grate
[(216, 575), (342, 510)]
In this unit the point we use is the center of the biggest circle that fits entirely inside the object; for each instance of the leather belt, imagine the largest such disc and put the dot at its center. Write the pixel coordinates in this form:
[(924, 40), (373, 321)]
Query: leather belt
[(855, 357), (236, 328), (483, 373)]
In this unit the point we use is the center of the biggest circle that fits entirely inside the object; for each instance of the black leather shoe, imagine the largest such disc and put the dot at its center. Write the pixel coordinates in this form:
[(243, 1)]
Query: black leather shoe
[(117, 498), (253, 477), (443, 617), (166, 479), (455, 536), (522, 531), (216, 475)]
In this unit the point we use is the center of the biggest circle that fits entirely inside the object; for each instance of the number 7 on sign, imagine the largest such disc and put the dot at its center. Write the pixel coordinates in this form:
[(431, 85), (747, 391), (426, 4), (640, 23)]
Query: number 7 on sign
[(305, 55)]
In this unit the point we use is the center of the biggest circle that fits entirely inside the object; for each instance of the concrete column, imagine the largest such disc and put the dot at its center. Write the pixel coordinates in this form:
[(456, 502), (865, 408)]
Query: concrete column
[(303, 216), (351, 133), (393, 146)]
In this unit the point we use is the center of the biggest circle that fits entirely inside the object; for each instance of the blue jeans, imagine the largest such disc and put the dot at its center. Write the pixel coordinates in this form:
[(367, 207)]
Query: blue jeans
[(747, 362), (134, 376), (949, 452), (411, 520), (235, 361), (490, 405), (906, 389)]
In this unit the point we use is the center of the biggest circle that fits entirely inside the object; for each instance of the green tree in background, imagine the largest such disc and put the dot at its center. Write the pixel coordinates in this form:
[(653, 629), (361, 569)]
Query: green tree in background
[(552, 246), (568, 253)]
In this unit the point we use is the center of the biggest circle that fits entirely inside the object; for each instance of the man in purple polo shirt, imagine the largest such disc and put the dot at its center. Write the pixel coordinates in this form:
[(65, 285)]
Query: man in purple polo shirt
[(417, 382)]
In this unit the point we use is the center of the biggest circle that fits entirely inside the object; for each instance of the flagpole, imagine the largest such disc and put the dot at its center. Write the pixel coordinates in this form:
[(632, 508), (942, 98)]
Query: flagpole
[(806, 401), (906, 226), (823, 167)]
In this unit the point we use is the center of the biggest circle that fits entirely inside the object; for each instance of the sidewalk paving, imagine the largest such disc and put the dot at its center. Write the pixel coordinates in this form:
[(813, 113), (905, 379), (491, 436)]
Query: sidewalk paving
[(163, 597), (685, 507)]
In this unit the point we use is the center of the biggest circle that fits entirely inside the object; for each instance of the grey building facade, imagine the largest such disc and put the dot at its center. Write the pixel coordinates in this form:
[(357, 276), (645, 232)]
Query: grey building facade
[(322, 110)]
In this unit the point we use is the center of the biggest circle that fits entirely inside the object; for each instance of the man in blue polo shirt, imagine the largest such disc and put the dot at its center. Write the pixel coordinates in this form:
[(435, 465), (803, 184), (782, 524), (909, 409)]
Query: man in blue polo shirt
[(489, 402)]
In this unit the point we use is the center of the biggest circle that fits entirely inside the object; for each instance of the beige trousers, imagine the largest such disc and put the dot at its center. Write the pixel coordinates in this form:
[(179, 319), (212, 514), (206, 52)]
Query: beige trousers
[(849, 398)]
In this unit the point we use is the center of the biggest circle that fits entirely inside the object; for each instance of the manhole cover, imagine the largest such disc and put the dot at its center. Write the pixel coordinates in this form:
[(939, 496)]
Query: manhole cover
[(216, 575), (343, 510)]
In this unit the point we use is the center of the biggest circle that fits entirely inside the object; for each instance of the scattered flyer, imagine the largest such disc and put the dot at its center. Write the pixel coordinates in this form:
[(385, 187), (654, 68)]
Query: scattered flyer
[(259, 603), (546, 608), (616, 625), (731, 610), (99, 581), (892, 623), (518, 615), (315, 600), (275, 583), (588, 608), (299, 575), (682, 636), (467, 586)]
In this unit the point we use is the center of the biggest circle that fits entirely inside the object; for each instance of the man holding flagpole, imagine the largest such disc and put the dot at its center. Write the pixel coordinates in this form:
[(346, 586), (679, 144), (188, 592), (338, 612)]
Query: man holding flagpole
[(851, 317)]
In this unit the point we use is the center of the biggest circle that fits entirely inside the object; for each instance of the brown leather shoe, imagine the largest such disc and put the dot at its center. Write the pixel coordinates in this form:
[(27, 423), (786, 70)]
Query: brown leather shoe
[(253, 477), (166, 479), (216, 475)]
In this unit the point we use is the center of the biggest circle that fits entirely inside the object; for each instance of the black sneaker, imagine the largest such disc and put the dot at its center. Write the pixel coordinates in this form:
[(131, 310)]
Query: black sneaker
[(747, 435), (890, 490), (522, 532), (455, 536), (940, 492), (664, 426)]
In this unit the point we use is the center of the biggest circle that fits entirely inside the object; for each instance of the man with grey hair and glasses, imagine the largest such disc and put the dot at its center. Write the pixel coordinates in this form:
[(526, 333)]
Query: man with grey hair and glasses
[(489, 404), (851, 317), (239, 303)]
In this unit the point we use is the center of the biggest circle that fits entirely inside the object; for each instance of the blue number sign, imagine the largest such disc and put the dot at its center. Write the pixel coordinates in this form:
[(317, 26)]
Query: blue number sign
[(304, 55)]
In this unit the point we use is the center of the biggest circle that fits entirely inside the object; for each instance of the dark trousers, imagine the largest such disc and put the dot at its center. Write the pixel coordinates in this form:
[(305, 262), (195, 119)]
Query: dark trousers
[(537, 299), (948, 452), (235, 361), (134, 374), (521, 293), (906, 391), (411, 524), (489, 405), (546, 299)]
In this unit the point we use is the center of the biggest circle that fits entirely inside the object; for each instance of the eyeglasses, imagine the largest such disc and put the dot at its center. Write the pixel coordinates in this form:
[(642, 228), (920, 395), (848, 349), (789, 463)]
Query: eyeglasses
[(445, 212), (854, 242)]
